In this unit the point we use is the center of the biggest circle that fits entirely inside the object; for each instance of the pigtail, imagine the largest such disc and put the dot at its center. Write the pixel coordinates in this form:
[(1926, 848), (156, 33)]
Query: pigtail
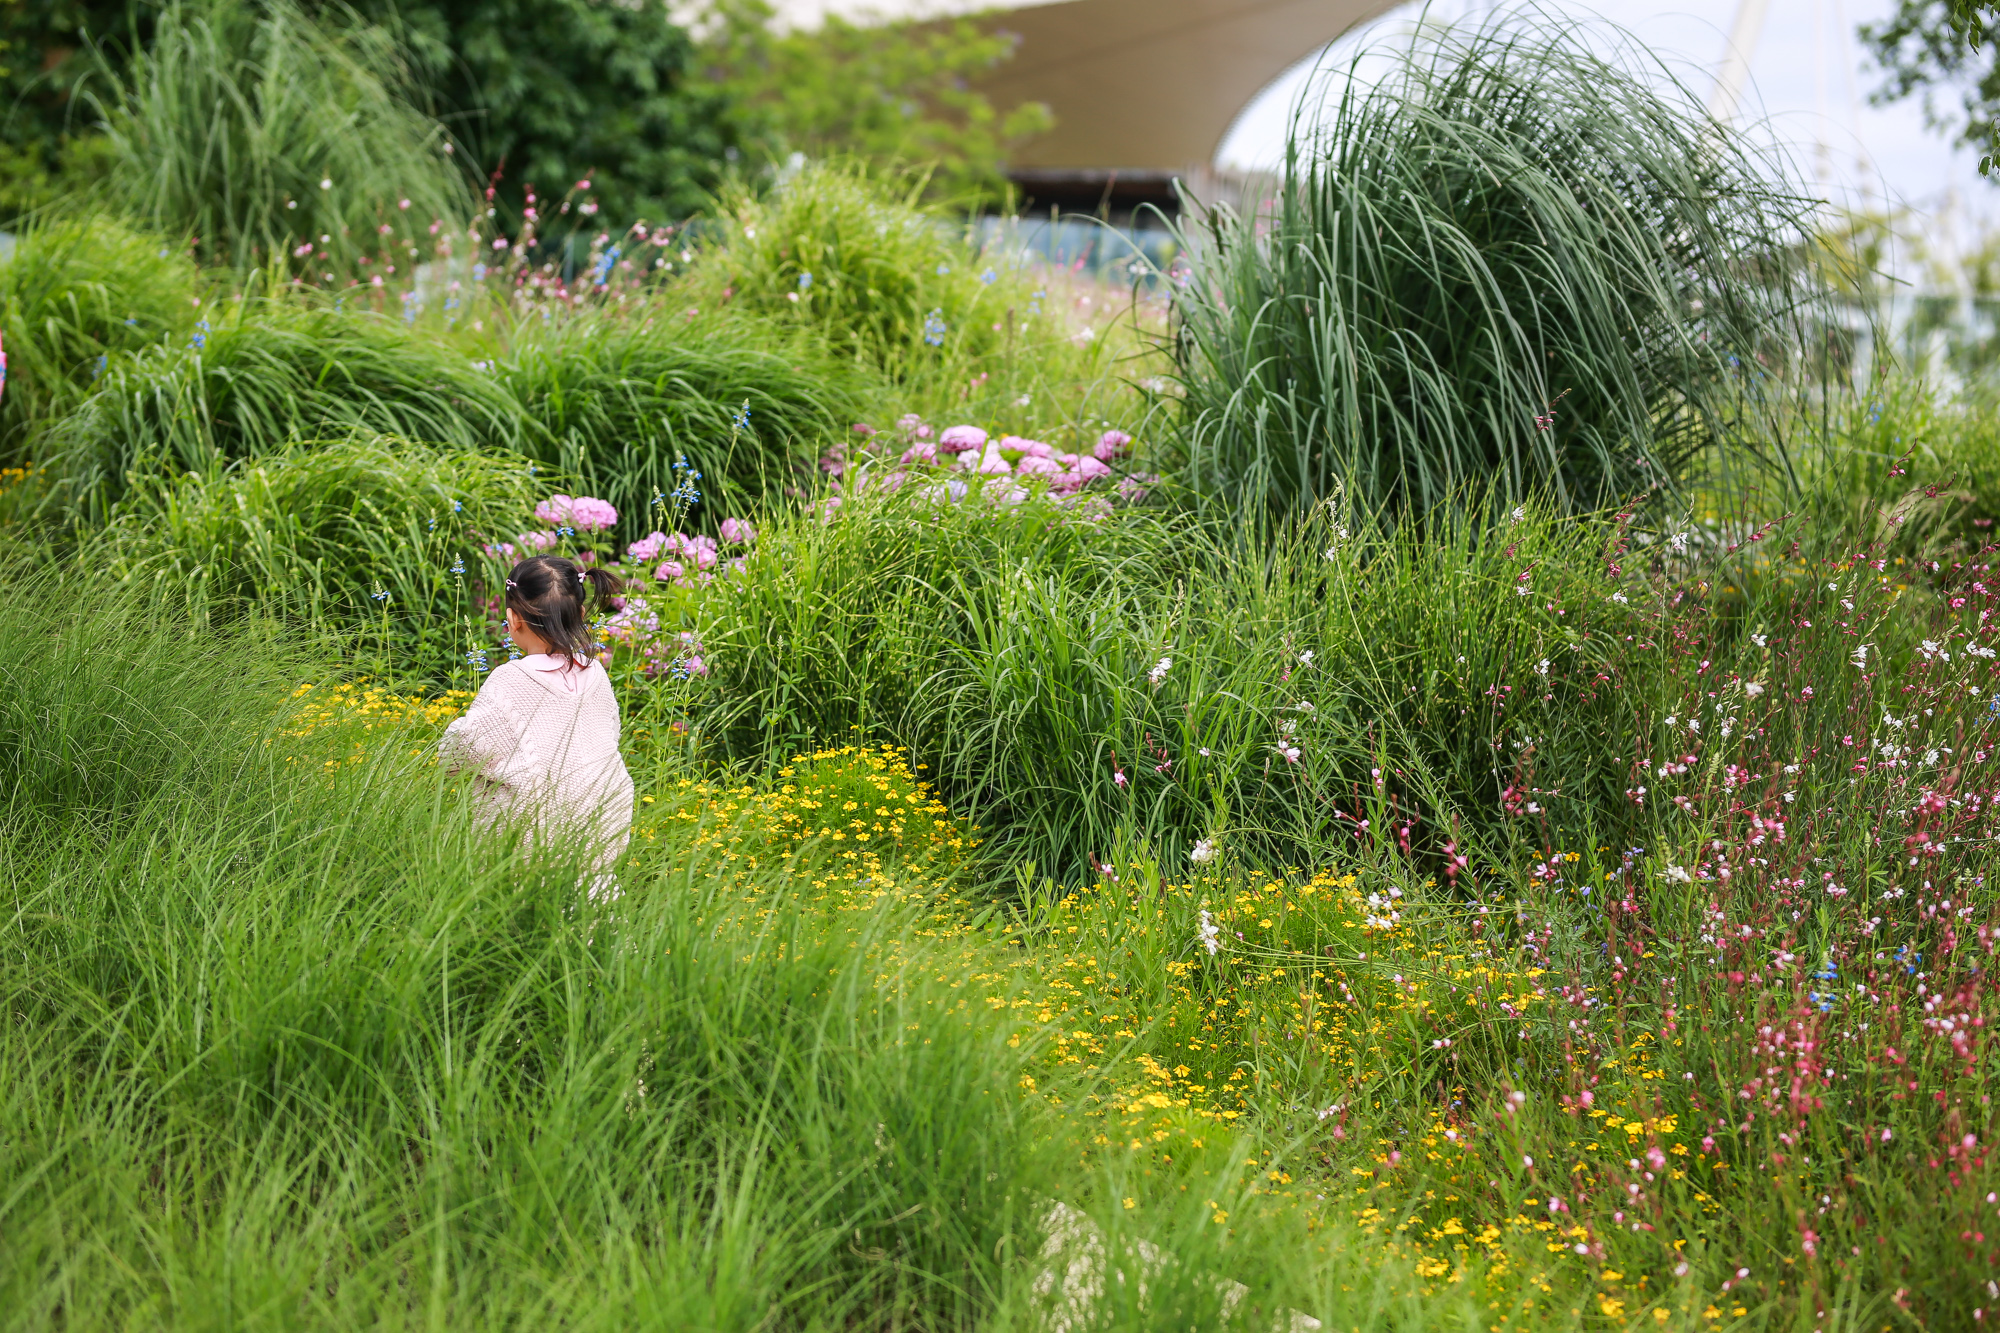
[(604, 583)]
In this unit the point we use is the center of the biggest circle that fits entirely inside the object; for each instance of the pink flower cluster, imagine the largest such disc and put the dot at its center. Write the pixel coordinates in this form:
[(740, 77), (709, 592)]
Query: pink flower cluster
[(967, 448), (583, 512), (701, 551)]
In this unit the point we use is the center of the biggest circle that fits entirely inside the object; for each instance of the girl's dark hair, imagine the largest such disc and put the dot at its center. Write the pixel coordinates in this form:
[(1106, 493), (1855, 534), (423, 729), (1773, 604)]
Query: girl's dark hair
[(548, 592)]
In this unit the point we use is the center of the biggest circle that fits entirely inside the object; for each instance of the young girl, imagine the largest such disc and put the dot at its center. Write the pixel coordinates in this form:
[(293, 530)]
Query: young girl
[(542, 736)]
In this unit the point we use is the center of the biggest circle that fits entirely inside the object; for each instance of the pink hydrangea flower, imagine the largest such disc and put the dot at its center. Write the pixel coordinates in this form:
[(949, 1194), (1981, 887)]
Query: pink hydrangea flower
[(1090, 469), (646, 548), (554, 510), (705, 557), (669, 571), (1066, 483), (1035, 464), (1134, 487), (538, 541), (505, 550), (737, 531), (593, 515), (1067, 460), (1112, 444), (961, 439), (913, 426), (923, 451), (993, 465), (863, 429)]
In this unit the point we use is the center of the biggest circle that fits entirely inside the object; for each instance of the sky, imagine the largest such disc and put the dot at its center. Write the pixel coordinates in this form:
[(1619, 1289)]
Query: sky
[(1809, 84)]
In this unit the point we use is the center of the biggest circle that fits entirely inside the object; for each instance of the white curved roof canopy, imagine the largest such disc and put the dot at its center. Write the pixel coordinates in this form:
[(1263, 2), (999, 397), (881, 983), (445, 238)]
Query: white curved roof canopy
[(1148, 85)]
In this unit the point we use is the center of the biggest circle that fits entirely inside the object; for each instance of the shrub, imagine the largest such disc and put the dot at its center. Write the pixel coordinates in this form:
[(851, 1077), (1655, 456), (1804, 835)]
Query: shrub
[(1511, 263), (252, 131), (77, 292), (369, 537)]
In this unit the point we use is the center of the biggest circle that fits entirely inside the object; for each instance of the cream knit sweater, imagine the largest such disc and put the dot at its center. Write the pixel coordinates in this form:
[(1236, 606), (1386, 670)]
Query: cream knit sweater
[(542, 738)]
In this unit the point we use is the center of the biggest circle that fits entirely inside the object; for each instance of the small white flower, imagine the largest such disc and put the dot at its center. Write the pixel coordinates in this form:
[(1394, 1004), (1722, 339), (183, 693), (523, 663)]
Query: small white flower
[(1679, 874), (1520, 590), (1203, 752), (1160, 670), (1520, 512), (326, 184), (1208, 933), (1201, 855), (1542, 667), (1753, 689), (1861, 654), (1760, 639), (1306, 657), (1679, 541), (1620, 598)]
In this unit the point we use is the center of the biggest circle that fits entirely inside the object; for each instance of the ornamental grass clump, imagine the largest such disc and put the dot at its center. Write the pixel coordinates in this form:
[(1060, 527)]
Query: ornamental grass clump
[(859, 261), (1510, 262), (78, 292), (266, 139)]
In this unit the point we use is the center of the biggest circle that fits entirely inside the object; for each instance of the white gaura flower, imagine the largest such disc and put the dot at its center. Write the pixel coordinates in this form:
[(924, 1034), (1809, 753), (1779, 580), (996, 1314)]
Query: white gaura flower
[(1753, 689), (1160, 670), (1208, 933), (1203, 852), (1678, 874)]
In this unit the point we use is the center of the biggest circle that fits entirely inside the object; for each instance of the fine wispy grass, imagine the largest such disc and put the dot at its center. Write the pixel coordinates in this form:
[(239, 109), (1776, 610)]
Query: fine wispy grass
[(1504, 226), (365, 542), (264, 139), (297, 1048), (77, 292)]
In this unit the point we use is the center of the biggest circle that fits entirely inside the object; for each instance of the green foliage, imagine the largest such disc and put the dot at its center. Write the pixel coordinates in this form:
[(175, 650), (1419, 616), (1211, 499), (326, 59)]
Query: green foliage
[(260, 376), (77, 292), (250, 130), (889, 92), (1506, 226), (1929, 45), (547, 92), (854, 256), (610, 400), (614, 400), (50, 53), (365, 539)]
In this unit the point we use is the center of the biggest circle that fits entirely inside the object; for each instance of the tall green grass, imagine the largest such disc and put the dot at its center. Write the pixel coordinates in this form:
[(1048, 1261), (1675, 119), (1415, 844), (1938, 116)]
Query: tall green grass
[(610, 399), (259, 375), (614, 400), (1505, 226), (366, 541), (294, 1047), (252, 130), (77, 292)]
